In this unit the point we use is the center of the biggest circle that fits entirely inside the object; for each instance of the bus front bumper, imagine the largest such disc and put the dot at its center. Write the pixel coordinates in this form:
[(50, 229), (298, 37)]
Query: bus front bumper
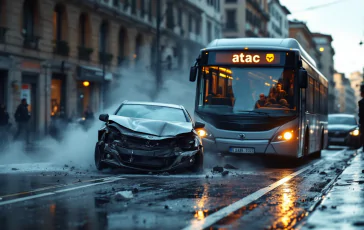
[(251, 147)]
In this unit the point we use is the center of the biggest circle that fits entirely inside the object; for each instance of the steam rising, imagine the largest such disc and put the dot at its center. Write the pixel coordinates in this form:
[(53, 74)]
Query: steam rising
[(77, 146)]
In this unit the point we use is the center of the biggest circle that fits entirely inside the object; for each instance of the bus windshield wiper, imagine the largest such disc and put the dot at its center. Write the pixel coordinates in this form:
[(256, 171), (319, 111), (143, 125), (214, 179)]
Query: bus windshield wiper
[(256, 112)]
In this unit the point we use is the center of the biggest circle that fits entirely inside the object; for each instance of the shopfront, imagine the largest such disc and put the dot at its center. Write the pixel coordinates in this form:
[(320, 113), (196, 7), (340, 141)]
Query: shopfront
[(90, 85), (29, 92)]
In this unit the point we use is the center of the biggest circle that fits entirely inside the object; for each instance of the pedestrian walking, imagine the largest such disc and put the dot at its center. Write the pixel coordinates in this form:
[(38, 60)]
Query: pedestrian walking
[(361, 117), (22, 117)]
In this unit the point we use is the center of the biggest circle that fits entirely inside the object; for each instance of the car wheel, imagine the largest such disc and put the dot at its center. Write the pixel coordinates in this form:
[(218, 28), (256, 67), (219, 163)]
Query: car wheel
[(98, 159), (197, 167)]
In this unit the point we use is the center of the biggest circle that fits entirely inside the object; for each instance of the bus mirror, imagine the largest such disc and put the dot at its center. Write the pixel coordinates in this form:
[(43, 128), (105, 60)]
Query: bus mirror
[(193, 73), (303, 79)]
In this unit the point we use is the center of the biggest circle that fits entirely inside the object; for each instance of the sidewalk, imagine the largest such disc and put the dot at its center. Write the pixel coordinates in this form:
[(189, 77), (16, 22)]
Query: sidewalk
[(343, 206)]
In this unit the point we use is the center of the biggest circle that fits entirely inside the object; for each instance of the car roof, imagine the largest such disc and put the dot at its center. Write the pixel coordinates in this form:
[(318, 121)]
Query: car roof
[(342, 115), (153, 104)]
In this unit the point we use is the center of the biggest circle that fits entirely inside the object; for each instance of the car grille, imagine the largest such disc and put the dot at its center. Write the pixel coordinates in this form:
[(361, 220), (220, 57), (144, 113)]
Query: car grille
[(132, 142), (147, 162), (338, 133)]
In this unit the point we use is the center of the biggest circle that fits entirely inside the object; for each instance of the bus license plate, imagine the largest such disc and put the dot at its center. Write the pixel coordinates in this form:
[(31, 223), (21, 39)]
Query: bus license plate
[(242, 150)]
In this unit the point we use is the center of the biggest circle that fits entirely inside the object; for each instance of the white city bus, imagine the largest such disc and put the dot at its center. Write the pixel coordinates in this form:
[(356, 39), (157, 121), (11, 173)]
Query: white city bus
[(260, 96)]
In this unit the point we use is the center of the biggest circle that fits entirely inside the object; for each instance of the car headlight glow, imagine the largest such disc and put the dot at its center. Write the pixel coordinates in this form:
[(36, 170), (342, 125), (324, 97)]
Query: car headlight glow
[(355, 132), (202, 133)]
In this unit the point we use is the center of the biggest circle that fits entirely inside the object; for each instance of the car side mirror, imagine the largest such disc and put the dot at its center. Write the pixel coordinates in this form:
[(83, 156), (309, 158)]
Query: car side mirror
[(104, 117), (193, 73), (303, 78), (199, 125)]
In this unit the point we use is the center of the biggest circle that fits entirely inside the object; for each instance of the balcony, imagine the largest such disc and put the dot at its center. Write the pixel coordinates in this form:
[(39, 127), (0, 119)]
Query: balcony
[(84, 53), (105, 58), (259, 8), (61, 48), (31, 42), (2, 34)]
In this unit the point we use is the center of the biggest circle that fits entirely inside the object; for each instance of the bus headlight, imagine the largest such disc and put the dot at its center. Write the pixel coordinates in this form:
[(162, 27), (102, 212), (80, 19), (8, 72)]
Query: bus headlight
[(284, 136), (355, 132)]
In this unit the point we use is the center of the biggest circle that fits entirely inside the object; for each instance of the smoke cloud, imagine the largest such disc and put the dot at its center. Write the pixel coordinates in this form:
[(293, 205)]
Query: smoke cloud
[(77, 145)]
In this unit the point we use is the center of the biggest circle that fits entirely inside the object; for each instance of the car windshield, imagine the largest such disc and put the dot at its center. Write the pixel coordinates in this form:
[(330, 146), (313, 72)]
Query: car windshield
[(342, 120), (254, 90), (152, 112)]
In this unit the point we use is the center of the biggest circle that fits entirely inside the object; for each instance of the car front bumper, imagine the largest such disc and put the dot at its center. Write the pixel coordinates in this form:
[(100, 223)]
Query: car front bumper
[(149, 160)]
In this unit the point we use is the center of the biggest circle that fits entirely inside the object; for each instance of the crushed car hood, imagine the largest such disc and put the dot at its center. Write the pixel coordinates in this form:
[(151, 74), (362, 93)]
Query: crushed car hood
[(153, 127)]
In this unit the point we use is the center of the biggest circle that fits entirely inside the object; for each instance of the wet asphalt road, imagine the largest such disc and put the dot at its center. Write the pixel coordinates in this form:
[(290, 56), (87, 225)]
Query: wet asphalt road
[(264, 196)]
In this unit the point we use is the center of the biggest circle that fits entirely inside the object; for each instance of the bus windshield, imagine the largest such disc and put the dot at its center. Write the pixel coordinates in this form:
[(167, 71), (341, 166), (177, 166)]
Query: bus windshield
[(237, 90)]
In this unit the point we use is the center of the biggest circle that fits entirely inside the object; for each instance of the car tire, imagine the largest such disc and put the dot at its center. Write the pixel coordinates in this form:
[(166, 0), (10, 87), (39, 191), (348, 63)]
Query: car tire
[(98, 157), (197, 167)]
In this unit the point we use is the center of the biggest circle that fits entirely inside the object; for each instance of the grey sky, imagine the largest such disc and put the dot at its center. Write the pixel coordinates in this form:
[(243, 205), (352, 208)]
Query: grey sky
[(343, 20)]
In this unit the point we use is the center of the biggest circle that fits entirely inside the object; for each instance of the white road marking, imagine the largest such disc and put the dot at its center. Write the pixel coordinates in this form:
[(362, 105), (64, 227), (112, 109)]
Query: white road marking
[(106, 180), (222, 213)]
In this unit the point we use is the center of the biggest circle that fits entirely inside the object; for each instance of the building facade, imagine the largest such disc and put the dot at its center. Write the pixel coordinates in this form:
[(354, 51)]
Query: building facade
[(344, 103), (356, 79), (324, 44), (278, 26), (299, 31), (62, 55), (245, 18)]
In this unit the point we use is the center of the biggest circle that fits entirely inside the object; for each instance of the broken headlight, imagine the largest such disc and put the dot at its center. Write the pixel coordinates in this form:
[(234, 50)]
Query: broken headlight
[(187, 144)]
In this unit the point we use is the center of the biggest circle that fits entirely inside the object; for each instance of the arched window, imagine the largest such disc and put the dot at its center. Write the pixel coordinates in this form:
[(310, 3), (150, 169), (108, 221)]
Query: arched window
[(103, 36), (29, 10)]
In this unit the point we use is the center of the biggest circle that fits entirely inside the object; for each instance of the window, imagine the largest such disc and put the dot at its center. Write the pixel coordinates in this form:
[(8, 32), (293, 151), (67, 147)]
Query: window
[(230, 19), (217, 32), (82, 30), (317, 97), (230, 1), (28, 18), (133, 6), (190, 23), (103, 36), (142, 8), (209, 31), (57, 22), (170, 16), (150, 10), (180, 18), (198, 27), (310, 96), (152, 112)]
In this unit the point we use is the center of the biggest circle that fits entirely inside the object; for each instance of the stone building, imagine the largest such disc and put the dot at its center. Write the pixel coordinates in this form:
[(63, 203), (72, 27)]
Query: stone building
[(62, 55)]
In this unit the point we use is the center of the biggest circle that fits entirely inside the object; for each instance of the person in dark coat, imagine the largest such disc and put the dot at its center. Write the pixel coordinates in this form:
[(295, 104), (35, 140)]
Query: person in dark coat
[(361, 116), (22, 117)]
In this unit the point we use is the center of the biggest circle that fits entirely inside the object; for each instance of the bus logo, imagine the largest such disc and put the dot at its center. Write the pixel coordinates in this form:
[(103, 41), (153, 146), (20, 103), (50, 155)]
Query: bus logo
[(270, 58), (242, 136)]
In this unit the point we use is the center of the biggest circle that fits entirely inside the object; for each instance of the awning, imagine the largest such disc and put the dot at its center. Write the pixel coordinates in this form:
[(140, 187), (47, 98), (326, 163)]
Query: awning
[(89, 73)]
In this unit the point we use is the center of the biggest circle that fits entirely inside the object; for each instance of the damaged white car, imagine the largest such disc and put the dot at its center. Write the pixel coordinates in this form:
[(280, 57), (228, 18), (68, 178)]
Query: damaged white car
[(152, 137)]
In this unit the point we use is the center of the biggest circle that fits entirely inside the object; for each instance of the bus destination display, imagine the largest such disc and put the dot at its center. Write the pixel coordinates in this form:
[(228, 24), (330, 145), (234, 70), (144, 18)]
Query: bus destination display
[(246, 58)]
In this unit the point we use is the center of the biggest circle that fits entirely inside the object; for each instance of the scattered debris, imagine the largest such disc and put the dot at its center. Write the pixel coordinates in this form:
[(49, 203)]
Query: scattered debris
[(229, 166), (150, 204), (166, 207), (225, 173), (135, 190), (362, 171), (79, 180), (101, 192), (150, 173), (207, 176), (123, 195), (218, 169), (66, 166), (14, 169), (113, 189), (57, 181), (323, 173), (333, 207), (72, 168), (165, 174)]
